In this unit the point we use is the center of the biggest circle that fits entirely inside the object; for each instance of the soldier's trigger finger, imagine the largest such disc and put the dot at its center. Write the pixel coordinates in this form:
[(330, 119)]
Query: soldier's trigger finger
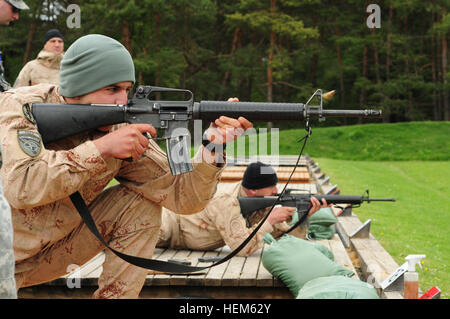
[(146, 128)]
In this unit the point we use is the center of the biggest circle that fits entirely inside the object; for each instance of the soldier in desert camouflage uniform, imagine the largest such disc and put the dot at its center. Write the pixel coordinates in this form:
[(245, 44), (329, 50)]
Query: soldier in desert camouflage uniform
[(45, 68), (50, 236)]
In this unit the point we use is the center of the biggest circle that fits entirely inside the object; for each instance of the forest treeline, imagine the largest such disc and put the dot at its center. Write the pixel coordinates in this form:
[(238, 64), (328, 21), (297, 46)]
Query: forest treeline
[(266, 50)]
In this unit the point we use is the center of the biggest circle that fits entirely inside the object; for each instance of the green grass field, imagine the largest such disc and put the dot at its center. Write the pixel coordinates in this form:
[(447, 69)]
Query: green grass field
[(417, 223)]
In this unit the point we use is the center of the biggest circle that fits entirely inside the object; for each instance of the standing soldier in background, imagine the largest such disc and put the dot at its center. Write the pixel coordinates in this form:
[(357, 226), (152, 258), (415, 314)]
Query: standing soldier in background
[(45, 68), (9, 11)]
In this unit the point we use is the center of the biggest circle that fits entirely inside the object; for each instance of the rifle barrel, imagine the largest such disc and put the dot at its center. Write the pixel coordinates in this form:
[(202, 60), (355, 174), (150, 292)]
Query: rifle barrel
[(347, 113), (350, 199), (265, 111), (379, 199)]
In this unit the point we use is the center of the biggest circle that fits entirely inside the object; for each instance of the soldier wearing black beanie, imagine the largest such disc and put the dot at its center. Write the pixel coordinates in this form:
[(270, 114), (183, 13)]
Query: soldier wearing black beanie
[(46, 67), (53, 33), (259, 175)]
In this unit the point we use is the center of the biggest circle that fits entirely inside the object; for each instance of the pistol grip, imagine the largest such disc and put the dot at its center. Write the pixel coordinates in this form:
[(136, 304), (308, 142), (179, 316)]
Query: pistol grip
[(130, 159)]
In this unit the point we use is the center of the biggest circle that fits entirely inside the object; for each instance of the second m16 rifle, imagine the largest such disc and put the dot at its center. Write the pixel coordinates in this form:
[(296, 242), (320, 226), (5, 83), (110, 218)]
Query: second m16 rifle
[(301, 201), (56, 121)]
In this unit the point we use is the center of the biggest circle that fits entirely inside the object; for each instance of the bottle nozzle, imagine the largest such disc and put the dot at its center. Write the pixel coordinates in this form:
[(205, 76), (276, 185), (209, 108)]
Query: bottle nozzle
[(413, 260)]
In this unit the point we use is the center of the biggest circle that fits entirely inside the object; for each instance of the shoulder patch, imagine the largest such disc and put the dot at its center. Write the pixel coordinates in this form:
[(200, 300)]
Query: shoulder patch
[(26, 109), (30, 142)]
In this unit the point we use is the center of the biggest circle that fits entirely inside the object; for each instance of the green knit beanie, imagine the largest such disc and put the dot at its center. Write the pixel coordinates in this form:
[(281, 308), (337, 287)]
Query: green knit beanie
[(93, 62)]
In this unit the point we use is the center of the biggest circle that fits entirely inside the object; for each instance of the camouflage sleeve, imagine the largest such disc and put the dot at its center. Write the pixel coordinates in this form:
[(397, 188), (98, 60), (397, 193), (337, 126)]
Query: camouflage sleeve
[(7, 281), (225, 212), (187, 193), (32, 175), (24, 77)]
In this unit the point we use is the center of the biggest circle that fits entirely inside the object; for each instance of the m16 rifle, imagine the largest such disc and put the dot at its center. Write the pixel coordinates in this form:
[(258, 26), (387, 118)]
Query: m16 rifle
[(56, 121), (301, 201)]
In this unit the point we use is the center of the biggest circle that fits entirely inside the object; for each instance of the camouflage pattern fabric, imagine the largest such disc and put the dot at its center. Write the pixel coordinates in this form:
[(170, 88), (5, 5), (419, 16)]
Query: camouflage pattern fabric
[(7, 281), (49, 235)]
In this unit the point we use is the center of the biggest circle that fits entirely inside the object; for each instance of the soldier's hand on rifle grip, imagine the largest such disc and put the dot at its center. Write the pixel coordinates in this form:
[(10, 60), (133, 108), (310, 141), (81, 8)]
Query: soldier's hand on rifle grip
[(316, 205), (280, 214), (126, 142)]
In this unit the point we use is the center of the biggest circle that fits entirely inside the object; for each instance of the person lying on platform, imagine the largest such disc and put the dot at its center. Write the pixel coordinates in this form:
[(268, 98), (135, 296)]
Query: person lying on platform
[(221, 222)]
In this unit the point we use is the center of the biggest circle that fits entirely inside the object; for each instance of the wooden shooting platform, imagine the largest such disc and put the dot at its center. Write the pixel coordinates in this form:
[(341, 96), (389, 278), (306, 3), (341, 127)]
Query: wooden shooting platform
[(246, 277), (301, 175), (239, 277)]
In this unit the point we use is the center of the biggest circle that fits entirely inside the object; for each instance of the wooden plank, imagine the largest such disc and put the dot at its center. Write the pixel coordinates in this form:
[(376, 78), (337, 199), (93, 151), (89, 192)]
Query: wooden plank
[(391, 295), (195, 278), (215, 274), (199, 280), (340, 254), (375, 260), (179, 280), (279, 169), (161, 279), (300, 174), (280, 160), (376, 264), (250, 269), (156, 254), (232, 274)]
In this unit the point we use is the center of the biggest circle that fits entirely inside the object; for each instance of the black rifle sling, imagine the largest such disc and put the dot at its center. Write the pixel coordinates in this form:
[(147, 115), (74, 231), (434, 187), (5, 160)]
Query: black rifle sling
[(168, 267)]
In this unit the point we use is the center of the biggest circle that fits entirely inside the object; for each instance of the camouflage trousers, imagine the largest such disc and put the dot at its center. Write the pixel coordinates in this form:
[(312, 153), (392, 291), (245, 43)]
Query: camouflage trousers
[(7, 281), (128, 222)]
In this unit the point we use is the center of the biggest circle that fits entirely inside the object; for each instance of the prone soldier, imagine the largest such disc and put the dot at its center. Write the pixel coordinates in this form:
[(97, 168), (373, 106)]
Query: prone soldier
[(221, 222)]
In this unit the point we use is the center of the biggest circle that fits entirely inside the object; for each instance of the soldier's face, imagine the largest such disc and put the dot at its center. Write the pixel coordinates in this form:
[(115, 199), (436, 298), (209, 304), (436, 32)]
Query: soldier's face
[(54, 45), (8, 13), (113, 94)]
